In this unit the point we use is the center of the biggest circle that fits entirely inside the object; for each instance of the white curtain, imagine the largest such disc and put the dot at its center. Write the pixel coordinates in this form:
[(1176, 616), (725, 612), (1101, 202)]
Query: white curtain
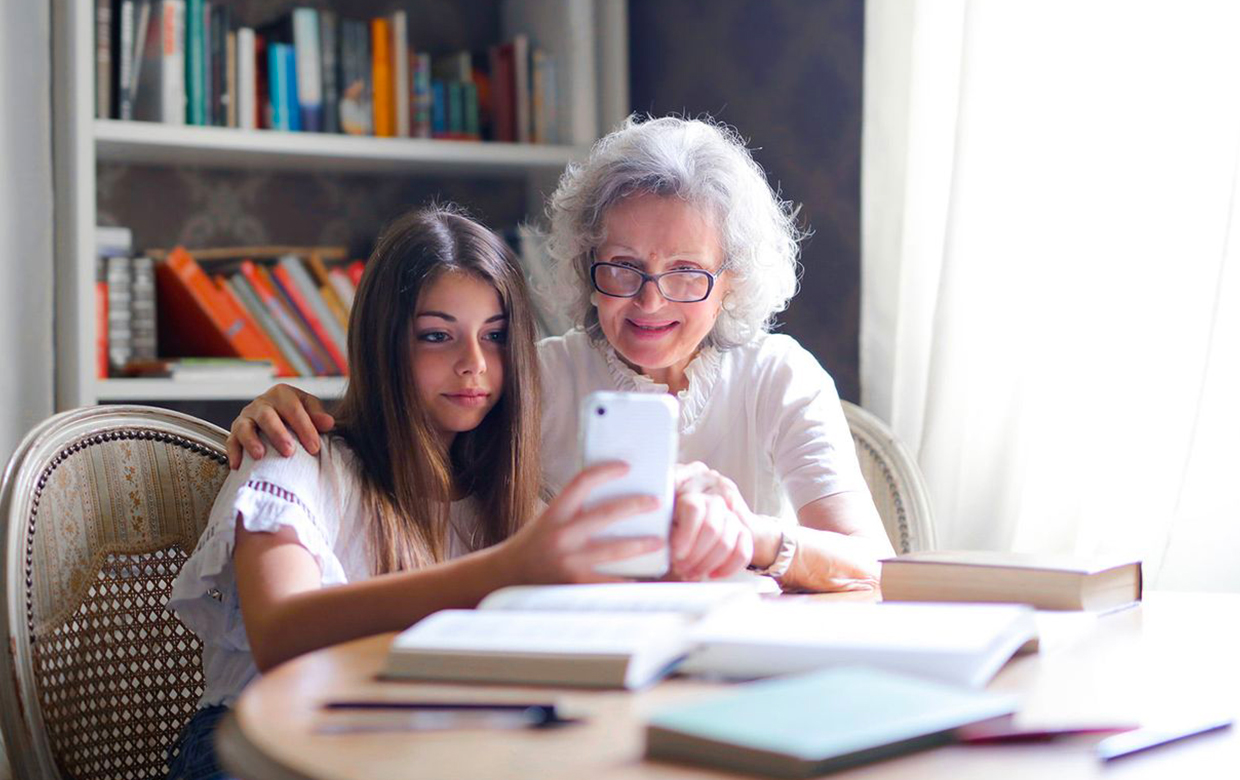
[(1051, 272)]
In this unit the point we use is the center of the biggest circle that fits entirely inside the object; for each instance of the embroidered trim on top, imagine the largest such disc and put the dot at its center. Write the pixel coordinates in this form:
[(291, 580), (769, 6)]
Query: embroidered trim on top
[(275, 490), (702, 371)]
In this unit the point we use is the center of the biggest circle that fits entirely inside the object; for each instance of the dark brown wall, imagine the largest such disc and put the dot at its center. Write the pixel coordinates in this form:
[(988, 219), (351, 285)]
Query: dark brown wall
[(787, 75)]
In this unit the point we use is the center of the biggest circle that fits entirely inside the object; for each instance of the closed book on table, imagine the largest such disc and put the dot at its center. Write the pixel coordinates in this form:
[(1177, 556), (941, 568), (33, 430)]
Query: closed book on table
[(803, 726), (1043, 581)]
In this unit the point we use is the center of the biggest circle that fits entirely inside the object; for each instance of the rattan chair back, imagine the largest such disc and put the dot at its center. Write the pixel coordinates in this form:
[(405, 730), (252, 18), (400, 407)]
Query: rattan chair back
[(100, 509), (895, 481)]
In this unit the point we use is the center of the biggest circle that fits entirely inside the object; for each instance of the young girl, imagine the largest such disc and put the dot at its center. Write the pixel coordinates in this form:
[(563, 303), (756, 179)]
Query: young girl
[(418, 501)]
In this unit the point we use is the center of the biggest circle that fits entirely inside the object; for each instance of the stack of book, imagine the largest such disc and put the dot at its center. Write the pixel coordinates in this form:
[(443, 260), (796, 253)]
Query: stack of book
[(311, 70)]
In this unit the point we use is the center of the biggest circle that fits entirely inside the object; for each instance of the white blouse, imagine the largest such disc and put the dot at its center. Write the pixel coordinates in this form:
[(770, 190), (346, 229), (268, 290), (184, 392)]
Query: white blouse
[(319, 497), (766, 415)]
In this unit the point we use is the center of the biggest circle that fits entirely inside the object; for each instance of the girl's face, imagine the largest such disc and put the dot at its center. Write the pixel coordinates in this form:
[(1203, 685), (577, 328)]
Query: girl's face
[(459, 333)]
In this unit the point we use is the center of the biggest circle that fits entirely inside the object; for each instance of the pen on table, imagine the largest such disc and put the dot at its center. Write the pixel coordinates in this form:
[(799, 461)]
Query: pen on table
[(532, 714), (1148, 737)]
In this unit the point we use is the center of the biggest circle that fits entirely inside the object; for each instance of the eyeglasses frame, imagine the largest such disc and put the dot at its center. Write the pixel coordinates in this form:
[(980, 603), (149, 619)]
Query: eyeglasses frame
[(710, 277)]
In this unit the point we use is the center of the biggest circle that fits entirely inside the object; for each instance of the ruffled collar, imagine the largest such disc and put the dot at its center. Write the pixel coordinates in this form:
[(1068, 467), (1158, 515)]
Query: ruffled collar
[(703, 371)]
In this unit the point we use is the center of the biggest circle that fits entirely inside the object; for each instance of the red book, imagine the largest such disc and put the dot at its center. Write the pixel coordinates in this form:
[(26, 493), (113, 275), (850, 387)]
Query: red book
[(101, 329), (503, 94), (194, 320), (283, 368), (355, 272), (307, 313), (284, 318)]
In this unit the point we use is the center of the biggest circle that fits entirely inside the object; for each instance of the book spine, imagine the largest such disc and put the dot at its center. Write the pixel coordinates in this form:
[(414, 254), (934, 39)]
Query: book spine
[(322, 278), (208, 62), (172, 42), (323, 362), (245, 293), (503, 120), (544, 99), (381, 74), (356, 269), (400, 72), (101, 328), (343, 286), (309, 69), (245, 341), (292, 105), (247, 80), (142, 308), (521, 81), (194, 62), (230, 79), (221, 20), (103, 59), (298, 286), (278, 81), (231, 301), (125, 56), (330, 47), (282, 316), (469, 107), (439, 110), (120, 328), (423, 99)]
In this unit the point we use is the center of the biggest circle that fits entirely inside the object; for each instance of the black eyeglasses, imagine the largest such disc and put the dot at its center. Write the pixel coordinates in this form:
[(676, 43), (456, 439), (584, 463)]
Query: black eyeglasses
[(684, 285)]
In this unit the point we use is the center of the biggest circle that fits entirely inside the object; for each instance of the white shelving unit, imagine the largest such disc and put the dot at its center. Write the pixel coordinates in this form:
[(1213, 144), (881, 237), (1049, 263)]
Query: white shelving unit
[(588, 38)]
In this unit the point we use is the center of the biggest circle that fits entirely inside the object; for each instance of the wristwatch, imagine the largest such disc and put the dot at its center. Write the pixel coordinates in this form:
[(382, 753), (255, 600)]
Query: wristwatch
[(783, 559)]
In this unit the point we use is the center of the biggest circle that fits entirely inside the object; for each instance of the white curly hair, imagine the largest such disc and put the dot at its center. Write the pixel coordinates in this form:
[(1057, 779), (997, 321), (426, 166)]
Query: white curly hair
[(706, 164)]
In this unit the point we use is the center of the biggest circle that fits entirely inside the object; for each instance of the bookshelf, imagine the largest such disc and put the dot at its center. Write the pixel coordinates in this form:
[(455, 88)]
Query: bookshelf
[(588, 38)]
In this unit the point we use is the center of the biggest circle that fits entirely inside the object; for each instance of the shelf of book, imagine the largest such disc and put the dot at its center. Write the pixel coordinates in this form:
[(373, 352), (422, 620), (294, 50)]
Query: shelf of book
[(153, 143), (156, 389)]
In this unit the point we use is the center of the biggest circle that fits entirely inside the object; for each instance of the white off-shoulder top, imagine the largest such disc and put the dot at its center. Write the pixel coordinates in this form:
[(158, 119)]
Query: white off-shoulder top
[(318, 496)]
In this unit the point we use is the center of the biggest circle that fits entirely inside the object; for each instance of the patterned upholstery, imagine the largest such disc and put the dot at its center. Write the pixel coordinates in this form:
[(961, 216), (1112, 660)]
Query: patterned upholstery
[(101, 507), (895, 481)]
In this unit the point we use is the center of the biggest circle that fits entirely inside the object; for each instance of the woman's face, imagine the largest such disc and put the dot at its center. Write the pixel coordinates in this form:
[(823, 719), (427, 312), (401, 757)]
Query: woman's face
[(459, 333), (655, 235)]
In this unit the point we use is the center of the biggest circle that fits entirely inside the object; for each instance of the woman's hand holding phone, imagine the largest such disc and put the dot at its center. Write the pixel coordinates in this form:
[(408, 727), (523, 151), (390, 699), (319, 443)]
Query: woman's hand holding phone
[(710, 538), (561, 544)]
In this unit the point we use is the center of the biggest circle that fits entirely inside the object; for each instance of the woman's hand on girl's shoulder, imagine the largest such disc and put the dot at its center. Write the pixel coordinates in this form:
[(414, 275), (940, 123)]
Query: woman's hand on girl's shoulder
[(560, 545), (273, 413)]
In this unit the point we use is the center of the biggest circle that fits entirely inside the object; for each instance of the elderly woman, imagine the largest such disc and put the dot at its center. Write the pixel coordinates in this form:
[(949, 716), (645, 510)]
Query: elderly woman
[(676, 255)]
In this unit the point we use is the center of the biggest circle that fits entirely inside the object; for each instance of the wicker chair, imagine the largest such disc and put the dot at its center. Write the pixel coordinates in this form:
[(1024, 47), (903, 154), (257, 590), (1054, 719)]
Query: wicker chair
[(895, 481), (100, 509)]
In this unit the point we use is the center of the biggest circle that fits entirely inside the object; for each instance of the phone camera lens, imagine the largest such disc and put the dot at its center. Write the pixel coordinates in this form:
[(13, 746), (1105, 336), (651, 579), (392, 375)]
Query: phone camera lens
[(600, 411)]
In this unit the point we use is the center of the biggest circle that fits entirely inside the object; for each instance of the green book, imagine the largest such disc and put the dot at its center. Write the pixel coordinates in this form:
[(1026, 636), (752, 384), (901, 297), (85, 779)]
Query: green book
[(806, 725), (195, 64)]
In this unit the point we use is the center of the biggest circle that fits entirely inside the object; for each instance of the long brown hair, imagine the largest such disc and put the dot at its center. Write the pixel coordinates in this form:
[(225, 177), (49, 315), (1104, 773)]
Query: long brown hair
[(408, 477)]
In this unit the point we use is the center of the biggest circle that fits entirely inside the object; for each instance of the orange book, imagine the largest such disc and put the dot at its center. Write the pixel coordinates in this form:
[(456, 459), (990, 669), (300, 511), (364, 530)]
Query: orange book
[(307, 313), (381, 77), (194, 320), (101, 329), (257, 276), (283, 368)]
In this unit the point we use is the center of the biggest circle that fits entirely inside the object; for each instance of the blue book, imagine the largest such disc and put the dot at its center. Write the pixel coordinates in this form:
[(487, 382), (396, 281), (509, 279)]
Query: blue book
[(292, 104), (439, 110), (807, 725), (277, 86)]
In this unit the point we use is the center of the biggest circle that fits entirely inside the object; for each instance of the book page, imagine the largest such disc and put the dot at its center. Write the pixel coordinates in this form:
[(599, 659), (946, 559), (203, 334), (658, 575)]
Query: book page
[(692, 599), (511, 631)]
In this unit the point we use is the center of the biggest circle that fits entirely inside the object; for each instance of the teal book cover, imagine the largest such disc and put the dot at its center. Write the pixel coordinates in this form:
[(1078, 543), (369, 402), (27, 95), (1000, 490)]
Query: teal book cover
[(195, 63), (805, 725)]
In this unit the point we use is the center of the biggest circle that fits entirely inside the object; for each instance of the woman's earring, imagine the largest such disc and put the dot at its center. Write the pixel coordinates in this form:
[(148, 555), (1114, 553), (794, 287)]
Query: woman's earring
[(728, 304)]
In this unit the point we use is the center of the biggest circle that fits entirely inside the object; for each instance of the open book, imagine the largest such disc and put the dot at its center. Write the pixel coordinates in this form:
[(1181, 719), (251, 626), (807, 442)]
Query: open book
[(624, 635), (964, 644)]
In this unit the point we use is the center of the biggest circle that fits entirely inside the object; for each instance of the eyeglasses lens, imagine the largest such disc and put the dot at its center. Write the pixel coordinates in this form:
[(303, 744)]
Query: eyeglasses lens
[(683, 286)]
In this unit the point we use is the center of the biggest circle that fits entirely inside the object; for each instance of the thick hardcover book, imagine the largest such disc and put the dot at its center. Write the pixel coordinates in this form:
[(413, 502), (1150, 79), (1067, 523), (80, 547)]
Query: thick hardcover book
[(195, 63), (399, 52), (329, 49), (159, 92), (356, 109), (265, 290), (608, 636), (247, 80), (1044, 581), (194, 320), (808, 725), (309, 69), (381, 77)]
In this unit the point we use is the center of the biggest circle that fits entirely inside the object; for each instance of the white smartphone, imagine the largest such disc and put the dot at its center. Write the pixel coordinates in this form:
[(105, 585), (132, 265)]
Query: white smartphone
[(641, 430)]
